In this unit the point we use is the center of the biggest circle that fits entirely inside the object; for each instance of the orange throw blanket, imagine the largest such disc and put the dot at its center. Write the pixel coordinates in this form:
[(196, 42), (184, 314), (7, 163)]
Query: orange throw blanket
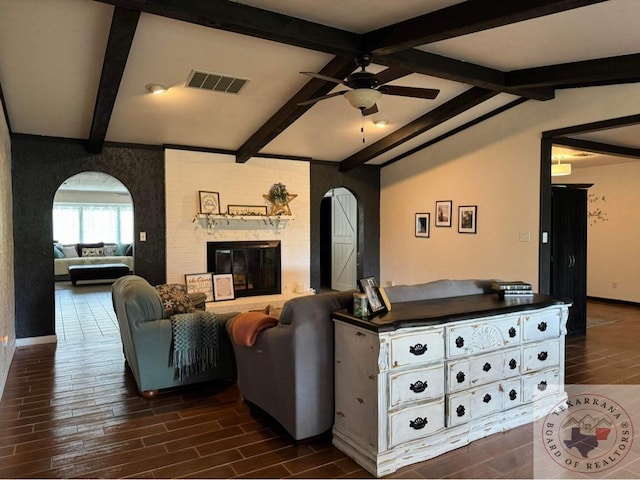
[(244, 328)]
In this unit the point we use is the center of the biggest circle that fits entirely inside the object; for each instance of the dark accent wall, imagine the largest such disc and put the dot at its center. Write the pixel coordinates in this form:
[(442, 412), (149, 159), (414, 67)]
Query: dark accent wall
[(364, 183), (39, 166)]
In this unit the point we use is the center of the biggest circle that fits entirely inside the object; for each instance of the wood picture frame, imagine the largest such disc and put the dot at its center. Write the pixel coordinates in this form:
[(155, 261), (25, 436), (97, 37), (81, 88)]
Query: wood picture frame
[(369, 287), (444, 209), (467, 219), (422, 226), (247, 210), (223, 287), (209, 202), (199, 283)]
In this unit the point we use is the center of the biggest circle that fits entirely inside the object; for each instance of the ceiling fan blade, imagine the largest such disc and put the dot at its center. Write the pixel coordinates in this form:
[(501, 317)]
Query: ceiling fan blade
[(324, 97), (392, 73), (324, 77), (428, 93), (370, 110)]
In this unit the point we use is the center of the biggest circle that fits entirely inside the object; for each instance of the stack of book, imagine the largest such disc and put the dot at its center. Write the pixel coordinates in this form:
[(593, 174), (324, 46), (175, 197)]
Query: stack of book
[(512, 289)]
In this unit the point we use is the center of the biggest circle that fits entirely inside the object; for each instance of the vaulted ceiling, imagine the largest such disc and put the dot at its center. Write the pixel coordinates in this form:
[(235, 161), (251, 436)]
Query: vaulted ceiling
[(78, 69)]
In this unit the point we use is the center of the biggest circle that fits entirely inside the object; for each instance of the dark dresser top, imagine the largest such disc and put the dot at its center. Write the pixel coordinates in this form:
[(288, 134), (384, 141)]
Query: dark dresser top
[(445, 310)]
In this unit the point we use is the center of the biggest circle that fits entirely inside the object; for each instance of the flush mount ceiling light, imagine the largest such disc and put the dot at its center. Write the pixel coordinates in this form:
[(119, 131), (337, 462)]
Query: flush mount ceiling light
[(560, 169), (363, 98), (156, 88), (381, 123)]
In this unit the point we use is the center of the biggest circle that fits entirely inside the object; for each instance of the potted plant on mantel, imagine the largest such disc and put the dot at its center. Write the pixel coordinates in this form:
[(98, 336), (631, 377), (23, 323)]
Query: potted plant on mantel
[(279, 198)]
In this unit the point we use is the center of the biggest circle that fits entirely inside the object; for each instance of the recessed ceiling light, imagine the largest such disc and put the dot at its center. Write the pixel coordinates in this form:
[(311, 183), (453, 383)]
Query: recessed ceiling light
[(156, 88), (381, 123)]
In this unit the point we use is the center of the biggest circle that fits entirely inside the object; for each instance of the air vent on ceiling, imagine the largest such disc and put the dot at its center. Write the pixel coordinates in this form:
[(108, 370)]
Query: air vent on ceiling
[(216, 82)]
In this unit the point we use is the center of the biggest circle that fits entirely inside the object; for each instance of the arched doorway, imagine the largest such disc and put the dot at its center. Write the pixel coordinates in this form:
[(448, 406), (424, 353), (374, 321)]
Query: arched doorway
[(338, 240)]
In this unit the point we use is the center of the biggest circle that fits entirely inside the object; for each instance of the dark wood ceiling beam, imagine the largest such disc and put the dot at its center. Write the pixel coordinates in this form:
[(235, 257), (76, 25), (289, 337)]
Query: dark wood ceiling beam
[(438, 115), (598, 147), (123, 29), (463, 72), (598, 126), (339, 67), (624, 68), (252, 21), (461, 19)]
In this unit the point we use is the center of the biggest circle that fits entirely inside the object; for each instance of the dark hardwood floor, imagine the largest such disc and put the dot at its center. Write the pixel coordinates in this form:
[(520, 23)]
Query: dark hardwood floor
[(72, 410)]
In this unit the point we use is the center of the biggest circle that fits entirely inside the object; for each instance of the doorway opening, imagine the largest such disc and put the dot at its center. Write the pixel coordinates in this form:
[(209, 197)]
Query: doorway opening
[(338, 240)]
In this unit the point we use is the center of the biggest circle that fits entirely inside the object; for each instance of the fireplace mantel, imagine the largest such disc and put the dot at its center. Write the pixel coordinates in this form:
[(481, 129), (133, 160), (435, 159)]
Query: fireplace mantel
[(213, 222)]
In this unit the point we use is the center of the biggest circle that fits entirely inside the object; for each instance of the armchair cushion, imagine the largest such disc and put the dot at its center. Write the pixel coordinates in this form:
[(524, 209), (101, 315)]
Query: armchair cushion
[(175, 299), (244, 328)]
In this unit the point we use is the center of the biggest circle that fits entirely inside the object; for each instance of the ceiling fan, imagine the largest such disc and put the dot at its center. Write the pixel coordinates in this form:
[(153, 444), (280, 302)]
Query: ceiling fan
[(367, 88)]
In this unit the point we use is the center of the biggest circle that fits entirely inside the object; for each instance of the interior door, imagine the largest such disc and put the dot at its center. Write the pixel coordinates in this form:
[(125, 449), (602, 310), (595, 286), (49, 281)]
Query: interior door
[(344, 255)]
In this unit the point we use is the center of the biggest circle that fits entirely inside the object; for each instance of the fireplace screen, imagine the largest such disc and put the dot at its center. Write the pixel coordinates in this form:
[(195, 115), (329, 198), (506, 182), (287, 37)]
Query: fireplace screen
[(255, 265)]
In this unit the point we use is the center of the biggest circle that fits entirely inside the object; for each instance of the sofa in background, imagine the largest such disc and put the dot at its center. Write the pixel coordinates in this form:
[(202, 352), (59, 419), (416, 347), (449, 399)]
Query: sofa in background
[(145, 330), (89, 254), (288, 372)]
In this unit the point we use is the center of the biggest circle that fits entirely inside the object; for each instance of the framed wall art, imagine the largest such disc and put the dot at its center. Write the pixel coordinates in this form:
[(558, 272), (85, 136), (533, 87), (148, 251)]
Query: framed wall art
[(199, 283), (422, 225), (467, 218), (443, 213), (209, 202), (223, 287), (248, 210)]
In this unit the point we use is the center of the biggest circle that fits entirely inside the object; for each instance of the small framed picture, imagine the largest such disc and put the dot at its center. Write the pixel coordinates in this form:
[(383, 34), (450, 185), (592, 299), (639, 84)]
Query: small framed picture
[(443, 213), (199, 283), (369, 286), (210, 202), (422, 225), (249, 210), (223, 287), (467, 219)]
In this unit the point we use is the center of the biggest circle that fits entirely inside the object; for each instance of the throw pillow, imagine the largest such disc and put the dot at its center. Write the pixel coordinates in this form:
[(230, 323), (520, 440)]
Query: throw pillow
[(69, 251), (175, 299), (92, 252), (57, 252), (109, 250), (121, 249)]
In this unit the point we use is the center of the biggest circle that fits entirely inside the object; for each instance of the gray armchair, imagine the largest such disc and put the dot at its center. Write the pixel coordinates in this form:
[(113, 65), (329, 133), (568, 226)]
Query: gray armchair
[(146, 338), (288, 371)]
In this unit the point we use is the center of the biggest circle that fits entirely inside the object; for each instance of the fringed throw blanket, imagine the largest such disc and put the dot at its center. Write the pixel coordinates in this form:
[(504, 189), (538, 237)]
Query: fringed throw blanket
[(194, 345)]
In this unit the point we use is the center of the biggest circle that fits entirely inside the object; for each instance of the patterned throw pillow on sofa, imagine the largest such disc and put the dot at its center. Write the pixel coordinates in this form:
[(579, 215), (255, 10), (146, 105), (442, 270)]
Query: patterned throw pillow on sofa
[(110, 250), (175, 299)]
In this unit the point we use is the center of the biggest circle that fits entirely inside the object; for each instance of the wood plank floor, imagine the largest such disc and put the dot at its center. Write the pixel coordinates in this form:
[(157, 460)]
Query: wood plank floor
[(72, 410)]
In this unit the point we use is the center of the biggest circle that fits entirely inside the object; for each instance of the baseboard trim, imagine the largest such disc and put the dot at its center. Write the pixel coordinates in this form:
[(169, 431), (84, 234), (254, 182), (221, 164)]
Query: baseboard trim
[(614, 300), (25, 342)]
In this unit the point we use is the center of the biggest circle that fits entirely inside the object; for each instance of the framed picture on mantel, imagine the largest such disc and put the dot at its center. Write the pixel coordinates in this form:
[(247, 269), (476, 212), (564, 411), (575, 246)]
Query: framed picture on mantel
[(209, 202)]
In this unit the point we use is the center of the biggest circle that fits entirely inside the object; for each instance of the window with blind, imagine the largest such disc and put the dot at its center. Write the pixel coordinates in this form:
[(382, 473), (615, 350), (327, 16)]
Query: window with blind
[(90, 223)]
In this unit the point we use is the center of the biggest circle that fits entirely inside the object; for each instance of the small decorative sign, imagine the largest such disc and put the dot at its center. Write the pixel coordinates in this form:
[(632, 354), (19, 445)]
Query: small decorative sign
[(199, 283), (210, 202), (247, 210), (223, 287)]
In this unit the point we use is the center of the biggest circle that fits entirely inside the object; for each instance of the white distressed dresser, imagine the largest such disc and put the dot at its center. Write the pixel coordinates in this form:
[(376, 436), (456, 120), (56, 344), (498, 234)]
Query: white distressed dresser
[(431, 376)]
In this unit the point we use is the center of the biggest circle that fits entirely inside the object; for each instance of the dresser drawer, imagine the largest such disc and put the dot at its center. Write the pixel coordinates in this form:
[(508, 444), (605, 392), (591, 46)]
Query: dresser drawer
[(541, 355), (416, 385), (416, 422), (511, 393), (482, 337), (539, 384), (539, 326), (483, 369), (417, 348), (475, 403)]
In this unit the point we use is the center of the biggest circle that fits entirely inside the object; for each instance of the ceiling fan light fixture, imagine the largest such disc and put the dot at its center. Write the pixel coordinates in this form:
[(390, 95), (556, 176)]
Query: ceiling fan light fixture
[(560, 169), (363, 98), (156, 88), (381, 123)]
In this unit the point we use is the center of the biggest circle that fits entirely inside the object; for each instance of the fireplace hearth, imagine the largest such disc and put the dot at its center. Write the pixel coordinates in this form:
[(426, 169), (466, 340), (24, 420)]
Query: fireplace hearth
[(255, 265)]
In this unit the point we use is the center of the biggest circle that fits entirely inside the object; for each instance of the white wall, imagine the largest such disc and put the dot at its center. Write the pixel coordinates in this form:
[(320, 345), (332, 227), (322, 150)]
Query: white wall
[(613, 261), (7, 298), (238, 184), (494, 165)]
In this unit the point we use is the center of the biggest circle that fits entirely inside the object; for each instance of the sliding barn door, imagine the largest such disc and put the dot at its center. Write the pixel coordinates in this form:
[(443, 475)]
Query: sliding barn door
[(344, 255)]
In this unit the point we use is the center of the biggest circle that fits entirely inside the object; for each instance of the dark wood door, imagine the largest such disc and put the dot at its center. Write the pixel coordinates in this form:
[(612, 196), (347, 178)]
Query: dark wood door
[(569, 253)]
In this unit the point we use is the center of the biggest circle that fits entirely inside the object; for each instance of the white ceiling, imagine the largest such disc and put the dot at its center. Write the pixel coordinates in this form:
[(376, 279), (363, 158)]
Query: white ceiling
[(51, 55)]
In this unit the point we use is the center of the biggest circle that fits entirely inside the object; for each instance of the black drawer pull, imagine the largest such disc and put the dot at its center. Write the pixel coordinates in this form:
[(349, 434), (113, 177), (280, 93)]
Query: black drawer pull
[(459, 342), (512, 332), (418, 387), (418, 349), (486, 367), (460, 377), (418, 423), (542, 326), (542, 386), (460, 411), (542, 356), (513, 395), (486, 398), (513, 364)]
